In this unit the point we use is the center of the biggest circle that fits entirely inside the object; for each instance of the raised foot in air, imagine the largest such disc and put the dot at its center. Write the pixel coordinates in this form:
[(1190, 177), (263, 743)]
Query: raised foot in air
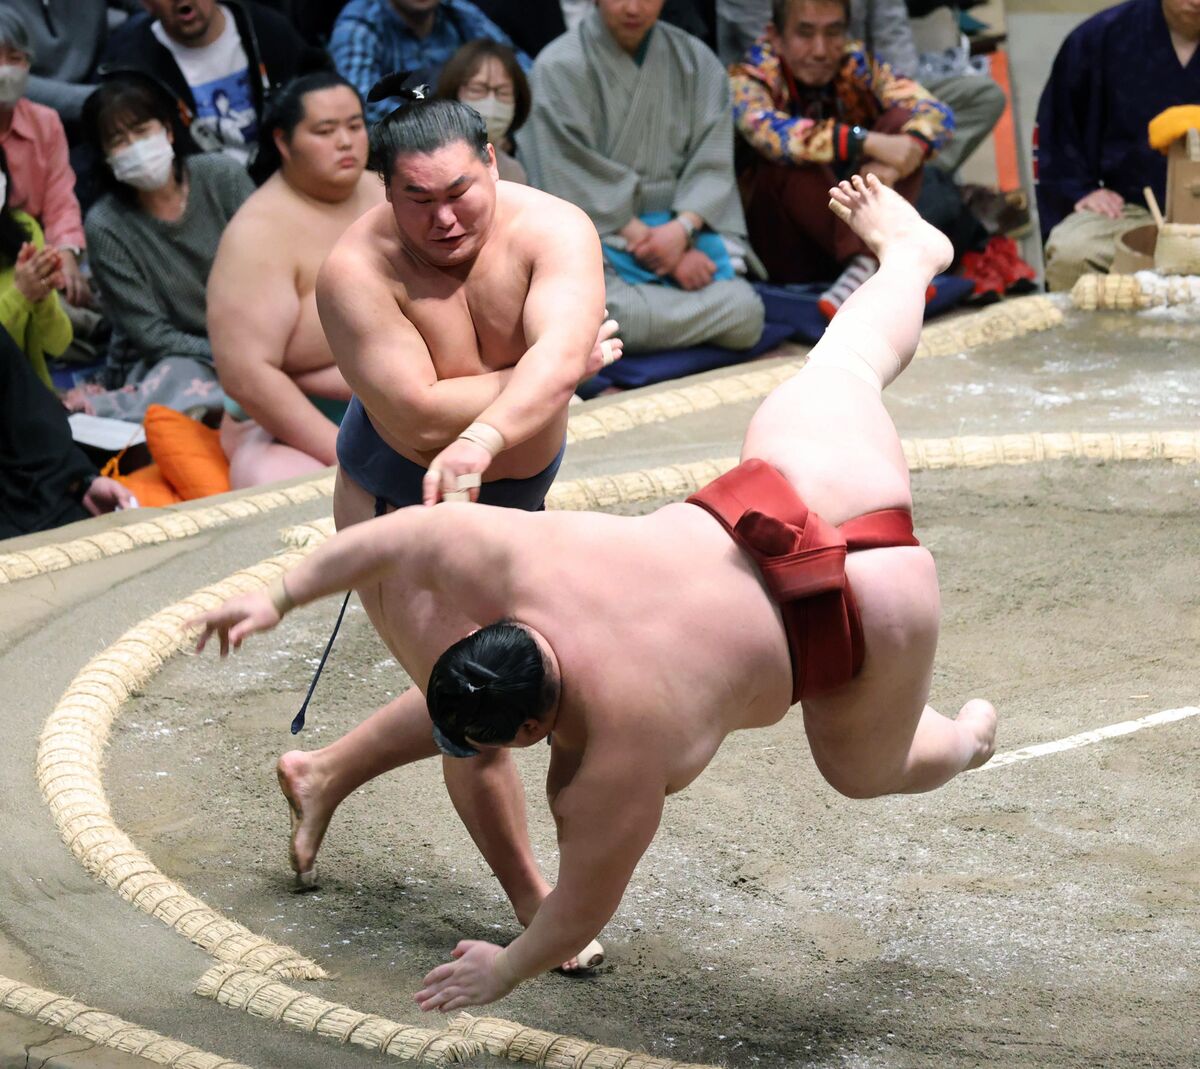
[(888, 224)]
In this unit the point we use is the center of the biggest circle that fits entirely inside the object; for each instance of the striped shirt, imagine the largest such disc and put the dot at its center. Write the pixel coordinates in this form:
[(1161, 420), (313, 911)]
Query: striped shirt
[(370, 39)]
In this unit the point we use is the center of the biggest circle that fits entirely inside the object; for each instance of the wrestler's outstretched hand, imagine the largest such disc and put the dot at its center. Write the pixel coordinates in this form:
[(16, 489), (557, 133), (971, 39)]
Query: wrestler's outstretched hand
[(456, 473), (474, 978), (235, 620)]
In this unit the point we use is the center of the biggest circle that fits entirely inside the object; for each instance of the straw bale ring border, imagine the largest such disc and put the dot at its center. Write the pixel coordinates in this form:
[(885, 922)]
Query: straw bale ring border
[(272, 1000), (464, 1037), (69, 758), (507, 1039), (105, 1029), (169, 527)]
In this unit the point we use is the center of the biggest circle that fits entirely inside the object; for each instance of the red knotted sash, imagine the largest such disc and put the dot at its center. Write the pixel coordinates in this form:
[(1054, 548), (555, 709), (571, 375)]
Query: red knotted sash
[(803, 562)]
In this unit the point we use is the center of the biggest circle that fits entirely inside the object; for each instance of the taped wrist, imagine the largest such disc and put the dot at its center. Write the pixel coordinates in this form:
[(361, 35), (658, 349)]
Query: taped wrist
[(280, 598), (486, 436)]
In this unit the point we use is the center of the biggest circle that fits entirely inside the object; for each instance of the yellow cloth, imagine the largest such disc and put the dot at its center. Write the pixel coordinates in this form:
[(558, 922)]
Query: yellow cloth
[(41, 329), (1169, 126)]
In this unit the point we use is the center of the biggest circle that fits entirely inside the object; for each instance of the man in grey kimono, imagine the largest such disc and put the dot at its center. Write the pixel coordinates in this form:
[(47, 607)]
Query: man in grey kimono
[(632, 122)]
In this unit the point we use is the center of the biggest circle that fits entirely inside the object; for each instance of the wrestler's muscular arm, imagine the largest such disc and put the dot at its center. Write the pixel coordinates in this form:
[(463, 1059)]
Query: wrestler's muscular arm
[(563, 308), (412, 542), (252, 309), (384, 358), (424, 546), (606, 817)]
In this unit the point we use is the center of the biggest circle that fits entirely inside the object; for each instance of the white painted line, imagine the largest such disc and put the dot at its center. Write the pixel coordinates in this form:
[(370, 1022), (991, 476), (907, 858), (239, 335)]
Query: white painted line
[(1088, 737)]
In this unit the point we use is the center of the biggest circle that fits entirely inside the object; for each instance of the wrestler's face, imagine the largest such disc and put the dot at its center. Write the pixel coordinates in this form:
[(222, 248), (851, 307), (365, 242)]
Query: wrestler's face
[(630, 20), (813, 40), (183, 20), (444, 202), (329, 144), (1183, 16)]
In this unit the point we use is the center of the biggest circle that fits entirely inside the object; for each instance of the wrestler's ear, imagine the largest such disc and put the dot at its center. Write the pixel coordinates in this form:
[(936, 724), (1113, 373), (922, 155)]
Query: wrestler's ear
[(531, 731)]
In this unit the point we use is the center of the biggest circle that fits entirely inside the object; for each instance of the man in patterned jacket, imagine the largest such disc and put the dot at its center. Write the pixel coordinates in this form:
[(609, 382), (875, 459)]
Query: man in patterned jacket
[(815, 107)]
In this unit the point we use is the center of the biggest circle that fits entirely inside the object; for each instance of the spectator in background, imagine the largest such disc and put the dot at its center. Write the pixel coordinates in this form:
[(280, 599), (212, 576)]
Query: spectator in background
[(487, 77), (222, 62), (68, 38), (153, 236), (32, 136), (815, 108), (884, 27), (46, 480), (30, 273), (975, 100), (1112, 75), (533, 24), (372, 38), (631, 121), (284, 396)]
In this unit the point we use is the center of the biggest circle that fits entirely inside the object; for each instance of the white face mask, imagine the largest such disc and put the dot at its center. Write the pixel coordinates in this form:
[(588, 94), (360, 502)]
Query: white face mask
[(497, 114), (145, 164), (12, 82)]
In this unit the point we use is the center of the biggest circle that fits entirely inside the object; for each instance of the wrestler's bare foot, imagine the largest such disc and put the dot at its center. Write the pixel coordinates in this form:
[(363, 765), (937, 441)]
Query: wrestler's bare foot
[(979, 717), (888, 223), (311, 810)]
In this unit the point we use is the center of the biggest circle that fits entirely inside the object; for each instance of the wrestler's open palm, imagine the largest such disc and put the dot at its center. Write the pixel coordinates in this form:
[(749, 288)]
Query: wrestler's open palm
[(235, 620), (456, 473), (471, 979)]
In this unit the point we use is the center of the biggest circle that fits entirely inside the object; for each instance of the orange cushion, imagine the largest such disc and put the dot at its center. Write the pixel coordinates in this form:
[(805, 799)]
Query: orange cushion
[(1169, 126), (149, 487), (189, 453)]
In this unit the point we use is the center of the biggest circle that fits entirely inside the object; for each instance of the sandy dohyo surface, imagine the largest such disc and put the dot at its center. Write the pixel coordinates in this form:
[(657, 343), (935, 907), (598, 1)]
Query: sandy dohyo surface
[(1044, 913)]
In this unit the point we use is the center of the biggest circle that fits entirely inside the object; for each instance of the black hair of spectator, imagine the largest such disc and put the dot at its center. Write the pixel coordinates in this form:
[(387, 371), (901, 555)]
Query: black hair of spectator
[(284, 113), (122, 105), (422, 124), (13, 233), (461, 67), (780, 8), (488, 684)]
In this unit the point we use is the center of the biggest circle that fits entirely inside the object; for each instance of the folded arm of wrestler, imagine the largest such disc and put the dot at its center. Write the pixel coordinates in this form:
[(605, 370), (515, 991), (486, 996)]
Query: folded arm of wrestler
[(386, 361)]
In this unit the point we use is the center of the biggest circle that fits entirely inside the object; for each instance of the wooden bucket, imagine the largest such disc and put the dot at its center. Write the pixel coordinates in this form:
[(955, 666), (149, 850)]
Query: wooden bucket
[(1135, 250), (1178, 249)]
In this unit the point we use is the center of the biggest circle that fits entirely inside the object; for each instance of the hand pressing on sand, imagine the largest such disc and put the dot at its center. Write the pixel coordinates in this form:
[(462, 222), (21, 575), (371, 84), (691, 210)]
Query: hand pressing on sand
[(475, 977), (239, 618)]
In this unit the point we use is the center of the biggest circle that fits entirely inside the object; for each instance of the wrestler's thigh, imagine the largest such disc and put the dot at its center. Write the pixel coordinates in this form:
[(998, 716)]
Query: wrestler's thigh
[(828, 432)]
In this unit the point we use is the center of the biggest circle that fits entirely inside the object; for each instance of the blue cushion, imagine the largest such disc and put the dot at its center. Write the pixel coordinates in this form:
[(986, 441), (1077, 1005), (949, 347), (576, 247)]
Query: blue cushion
[(791, 312)]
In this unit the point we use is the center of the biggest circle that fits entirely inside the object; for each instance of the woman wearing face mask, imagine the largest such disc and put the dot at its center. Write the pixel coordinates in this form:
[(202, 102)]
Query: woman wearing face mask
[(486, 76), (30, 274), (152, 238)]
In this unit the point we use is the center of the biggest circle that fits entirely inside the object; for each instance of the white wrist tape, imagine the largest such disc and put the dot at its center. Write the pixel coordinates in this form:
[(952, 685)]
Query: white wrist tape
[(485, 435), (279, 596)]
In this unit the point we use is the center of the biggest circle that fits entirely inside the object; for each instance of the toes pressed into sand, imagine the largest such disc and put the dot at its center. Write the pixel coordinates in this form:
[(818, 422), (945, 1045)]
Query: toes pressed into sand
[(307, 830), (588, 958)]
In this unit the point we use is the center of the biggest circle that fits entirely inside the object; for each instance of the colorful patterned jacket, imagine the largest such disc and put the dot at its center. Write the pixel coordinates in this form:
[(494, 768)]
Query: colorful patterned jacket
[(767, 115)]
